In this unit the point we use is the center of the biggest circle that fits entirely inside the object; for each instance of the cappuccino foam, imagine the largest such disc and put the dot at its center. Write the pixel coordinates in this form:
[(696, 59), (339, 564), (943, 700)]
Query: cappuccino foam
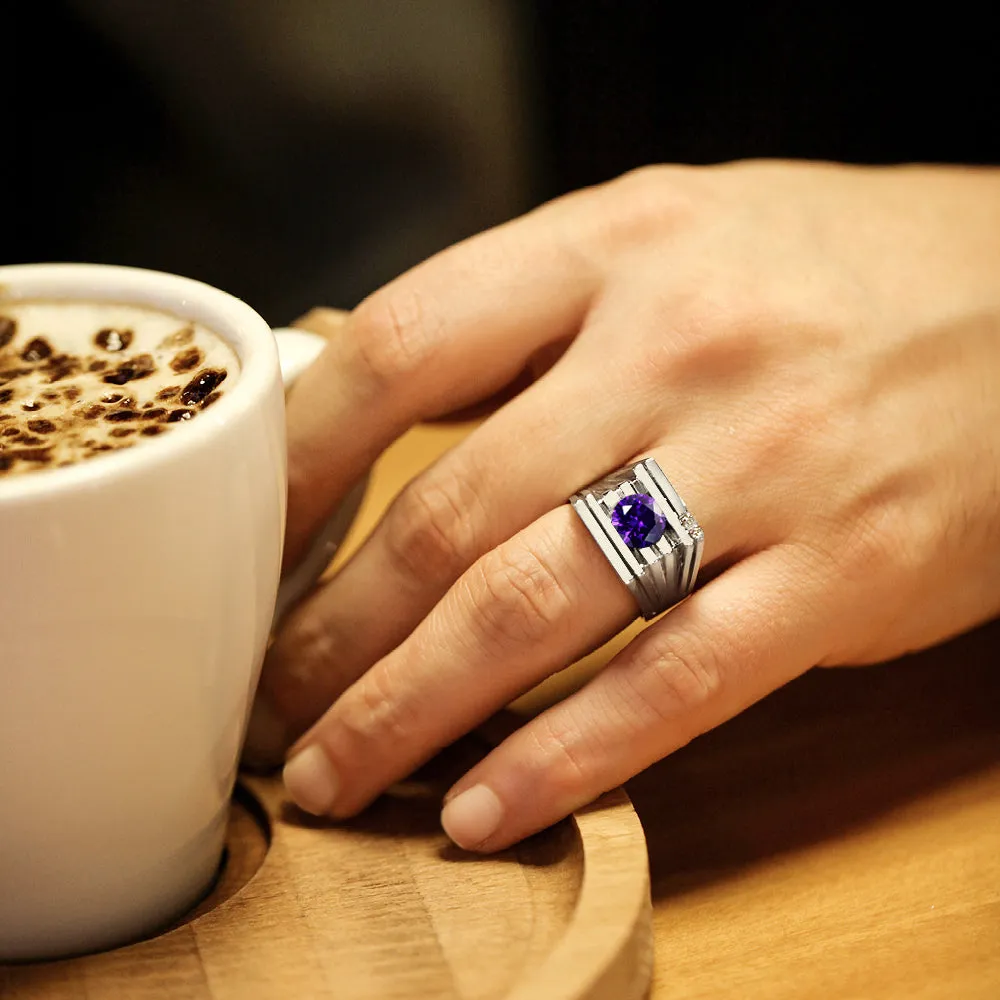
[(83, 379)]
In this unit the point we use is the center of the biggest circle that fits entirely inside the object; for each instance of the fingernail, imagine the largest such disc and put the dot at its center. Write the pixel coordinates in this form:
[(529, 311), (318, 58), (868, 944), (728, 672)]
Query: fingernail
[(472, 817), (268, 736), (311, 780)]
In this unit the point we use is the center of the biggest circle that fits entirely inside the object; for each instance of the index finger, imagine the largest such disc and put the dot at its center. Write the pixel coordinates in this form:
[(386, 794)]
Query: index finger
[(453, 330)]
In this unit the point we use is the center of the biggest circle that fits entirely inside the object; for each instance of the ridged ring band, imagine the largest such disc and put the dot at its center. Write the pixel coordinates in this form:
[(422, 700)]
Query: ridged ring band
[(646, 532)]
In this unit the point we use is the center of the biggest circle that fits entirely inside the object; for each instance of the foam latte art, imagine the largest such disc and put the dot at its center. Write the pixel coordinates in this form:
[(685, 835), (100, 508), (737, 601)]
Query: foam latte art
[(83, 379)]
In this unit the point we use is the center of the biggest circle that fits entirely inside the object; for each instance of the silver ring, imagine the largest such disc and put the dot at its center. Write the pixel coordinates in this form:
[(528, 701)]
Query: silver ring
[(646, 532)]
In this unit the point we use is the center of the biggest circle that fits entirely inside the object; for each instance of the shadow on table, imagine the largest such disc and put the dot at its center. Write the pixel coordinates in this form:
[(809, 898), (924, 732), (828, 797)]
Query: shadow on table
[(412, 809), (828, 753)]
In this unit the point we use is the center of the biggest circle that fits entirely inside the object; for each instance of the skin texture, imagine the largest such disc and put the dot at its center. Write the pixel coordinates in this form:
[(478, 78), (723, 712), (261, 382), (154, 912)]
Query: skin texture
[(812, 354)]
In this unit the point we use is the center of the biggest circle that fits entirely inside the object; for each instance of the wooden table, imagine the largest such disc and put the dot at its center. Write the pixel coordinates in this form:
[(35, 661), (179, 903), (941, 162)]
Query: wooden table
[(839, 840)]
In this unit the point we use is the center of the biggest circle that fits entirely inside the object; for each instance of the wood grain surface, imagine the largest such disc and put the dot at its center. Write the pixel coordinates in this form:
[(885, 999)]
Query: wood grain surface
[(384, 908)]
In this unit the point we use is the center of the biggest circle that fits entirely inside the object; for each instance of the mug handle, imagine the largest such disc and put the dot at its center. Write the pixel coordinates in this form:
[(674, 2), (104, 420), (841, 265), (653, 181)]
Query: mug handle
[(297, 350)]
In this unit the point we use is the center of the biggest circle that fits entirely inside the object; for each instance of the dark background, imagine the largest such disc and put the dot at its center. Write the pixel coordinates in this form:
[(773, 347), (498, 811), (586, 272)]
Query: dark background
[(159, 141)]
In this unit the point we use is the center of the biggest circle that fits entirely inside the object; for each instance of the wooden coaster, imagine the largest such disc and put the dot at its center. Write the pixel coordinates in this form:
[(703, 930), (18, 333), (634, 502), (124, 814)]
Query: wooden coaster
[(384, 908)]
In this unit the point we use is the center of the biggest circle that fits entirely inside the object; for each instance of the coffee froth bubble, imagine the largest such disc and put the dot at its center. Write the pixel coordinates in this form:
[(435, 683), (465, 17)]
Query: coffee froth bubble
[(82, 379)]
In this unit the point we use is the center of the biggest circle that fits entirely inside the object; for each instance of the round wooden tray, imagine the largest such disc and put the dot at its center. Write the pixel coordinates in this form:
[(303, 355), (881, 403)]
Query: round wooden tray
[(384, 907)]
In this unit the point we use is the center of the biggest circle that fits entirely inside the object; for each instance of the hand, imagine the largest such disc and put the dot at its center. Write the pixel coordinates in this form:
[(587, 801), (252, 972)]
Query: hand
[(811, 353)]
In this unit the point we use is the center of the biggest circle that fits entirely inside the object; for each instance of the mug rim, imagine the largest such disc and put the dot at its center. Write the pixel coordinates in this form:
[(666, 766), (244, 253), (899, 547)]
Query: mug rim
[(227, 316)]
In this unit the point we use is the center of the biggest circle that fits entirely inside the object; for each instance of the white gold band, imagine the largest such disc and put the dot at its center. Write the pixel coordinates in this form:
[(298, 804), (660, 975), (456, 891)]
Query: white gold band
[(646, 532)]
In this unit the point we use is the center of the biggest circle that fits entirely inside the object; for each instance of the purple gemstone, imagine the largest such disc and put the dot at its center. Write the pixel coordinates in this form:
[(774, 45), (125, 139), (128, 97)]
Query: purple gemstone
[(637, 521)]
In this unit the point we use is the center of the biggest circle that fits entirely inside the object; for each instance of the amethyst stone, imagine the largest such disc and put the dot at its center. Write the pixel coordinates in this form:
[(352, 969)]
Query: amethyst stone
[(637, 520)]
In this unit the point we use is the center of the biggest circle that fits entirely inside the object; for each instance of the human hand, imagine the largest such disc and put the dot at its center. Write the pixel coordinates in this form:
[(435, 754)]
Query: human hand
[(811, 353)]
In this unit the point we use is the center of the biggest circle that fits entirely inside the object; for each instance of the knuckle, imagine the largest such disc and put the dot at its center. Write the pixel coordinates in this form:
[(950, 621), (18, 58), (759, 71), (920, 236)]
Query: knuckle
[(678, 679), (867, 543), (566, 762), (517, 595), (306, 649), (309, 665), (716, 333), (642, 204), (375, 712), (392, 336), (430, 529), (884, 537), (652, 185)]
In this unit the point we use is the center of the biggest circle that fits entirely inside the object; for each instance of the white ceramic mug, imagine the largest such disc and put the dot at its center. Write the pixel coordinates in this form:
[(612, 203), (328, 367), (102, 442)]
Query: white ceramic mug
[(136, 597)]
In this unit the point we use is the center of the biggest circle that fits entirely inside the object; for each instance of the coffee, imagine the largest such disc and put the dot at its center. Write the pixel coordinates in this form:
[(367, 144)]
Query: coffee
[(83, 379)]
